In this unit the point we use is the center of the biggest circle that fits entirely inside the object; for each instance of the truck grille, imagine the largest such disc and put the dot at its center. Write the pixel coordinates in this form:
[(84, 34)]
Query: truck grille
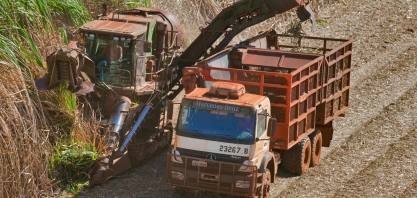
[(219, 157)]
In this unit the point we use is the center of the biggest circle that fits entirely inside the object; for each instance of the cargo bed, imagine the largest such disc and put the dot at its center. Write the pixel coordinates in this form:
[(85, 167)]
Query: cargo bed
[(306, 79)]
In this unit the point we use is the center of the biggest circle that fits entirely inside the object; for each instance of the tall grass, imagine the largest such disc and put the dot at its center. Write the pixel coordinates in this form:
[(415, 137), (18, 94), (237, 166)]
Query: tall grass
[(72, 12), (24, 147), (94, 6), (27, 29), (77, 143)]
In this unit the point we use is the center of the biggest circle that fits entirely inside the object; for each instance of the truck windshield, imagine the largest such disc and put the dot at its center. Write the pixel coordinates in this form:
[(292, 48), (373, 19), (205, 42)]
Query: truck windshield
[(112, 57), (217, 125)]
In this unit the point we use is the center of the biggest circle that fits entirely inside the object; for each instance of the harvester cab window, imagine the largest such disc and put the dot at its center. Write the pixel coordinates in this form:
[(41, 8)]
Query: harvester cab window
[(108, 59), (94, 44), (101, 44), (89, 43), (261, 128), (140, 60), (112, 55)]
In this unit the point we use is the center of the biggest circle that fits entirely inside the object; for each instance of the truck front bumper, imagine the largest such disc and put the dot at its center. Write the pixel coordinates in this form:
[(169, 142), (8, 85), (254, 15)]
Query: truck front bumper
[(214, 176)]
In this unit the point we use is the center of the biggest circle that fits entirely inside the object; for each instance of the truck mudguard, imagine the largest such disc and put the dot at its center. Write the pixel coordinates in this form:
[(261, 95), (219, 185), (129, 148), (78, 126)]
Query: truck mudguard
[(265, 160)]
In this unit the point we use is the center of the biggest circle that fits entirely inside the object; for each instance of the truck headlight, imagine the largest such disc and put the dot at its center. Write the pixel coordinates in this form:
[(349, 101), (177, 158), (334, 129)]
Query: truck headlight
[(244, 168), (175, 157), (242, 184), (177, 175)]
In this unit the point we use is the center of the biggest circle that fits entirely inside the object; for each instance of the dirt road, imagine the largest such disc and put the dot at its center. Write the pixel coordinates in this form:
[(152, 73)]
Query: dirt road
[(373, 153)]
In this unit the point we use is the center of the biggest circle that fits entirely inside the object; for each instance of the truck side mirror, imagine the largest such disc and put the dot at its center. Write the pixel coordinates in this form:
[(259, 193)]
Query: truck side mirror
[(272, 127), (170, 109), (147, 46)]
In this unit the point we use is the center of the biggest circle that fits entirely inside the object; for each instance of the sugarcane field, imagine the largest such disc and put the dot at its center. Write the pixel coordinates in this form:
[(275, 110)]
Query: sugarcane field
[(208, 98)]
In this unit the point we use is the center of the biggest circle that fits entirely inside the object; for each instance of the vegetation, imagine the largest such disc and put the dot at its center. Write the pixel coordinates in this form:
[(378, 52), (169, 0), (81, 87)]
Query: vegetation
[(30, 124), (76, 149)]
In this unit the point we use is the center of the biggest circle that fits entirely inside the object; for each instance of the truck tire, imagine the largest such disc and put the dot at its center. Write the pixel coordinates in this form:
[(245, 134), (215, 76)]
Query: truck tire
[(297, 159), (266, 180), (267, 183), (181, 191), (166, 139), (316, 146)]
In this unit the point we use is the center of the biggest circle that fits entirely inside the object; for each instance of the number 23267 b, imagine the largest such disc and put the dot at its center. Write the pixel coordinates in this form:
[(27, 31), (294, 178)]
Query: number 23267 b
[(232, 149)]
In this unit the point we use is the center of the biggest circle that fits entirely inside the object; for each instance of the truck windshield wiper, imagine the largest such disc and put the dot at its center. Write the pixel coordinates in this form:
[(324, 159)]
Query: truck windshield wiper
[(226, 135), (196, 132)]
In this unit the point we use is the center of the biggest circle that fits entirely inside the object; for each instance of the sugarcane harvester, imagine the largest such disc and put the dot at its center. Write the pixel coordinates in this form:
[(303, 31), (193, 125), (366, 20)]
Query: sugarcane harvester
[(122, 59), (127, 67)]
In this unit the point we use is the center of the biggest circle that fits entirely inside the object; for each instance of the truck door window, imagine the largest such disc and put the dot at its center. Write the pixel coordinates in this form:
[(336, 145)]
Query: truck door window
[(261, 123), (184, 115)]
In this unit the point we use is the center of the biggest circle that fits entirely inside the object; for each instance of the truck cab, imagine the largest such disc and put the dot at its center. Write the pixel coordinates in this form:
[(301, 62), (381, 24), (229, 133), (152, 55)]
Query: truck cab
[(222, 142)]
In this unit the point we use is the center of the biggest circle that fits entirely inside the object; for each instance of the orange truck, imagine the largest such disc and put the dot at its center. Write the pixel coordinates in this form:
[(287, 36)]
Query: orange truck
[(267, 101)]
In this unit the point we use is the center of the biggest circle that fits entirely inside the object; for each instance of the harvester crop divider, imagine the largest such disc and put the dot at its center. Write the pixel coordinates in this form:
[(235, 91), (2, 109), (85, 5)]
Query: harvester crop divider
[(120, 163)]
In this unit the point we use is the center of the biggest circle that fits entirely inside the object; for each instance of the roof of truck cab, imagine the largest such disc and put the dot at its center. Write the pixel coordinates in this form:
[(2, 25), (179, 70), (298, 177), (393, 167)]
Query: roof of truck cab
[(117, 27), (247, 99)]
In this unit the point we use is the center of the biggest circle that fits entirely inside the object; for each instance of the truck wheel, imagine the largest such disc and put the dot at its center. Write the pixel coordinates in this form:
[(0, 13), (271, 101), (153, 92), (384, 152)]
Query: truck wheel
[(166, 139), (267, 183), (183, 192), (316, 145), (297, 159)]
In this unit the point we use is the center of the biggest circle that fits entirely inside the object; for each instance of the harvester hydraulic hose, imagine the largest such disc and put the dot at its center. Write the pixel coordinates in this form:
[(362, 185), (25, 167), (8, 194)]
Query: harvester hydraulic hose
[(132, 131)]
